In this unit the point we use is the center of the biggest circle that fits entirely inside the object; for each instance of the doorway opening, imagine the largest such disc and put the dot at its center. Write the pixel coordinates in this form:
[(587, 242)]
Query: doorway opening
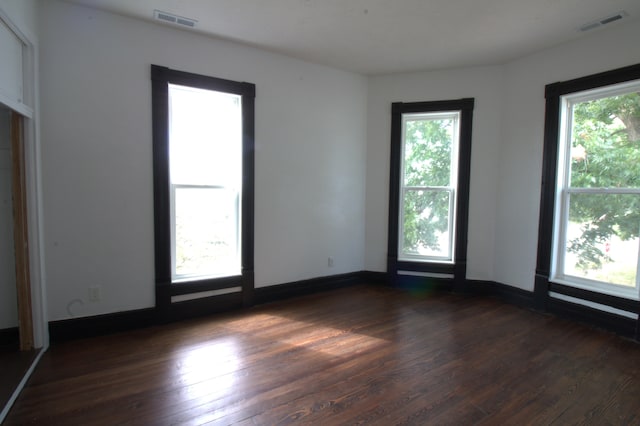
[(16, 326)]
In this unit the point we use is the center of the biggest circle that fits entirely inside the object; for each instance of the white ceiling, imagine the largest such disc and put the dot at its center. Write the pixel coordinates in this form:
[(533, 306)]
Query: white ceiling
[(387, 36)]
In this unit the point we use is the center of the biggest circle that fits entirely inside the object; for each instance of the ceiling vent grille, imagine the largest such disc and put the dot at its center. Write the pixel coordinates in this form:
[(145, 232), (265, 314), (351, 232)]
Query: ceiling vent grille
[(174, 19), (604, 21)]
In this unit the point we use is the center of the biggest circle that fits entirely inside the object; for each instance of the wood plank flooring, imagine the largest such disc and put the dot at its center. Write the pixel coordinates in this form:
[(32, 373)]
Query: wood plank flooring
[(360, 355), (14, 364)]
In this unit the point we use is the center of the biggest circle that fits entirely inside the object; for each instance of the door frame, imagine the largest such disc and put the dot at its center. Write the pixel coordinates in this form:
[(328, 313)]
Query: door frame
[(21, 233), (27, 108)]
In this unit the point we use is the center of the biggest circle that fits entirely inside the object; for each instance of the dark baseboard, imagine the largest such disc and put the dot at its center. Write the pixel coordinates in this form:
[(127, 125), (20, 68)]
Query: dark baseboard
[(99, 325), (423, 285), (506, 293), (377, 278), (591, 296), (301, 288), (10, 337), (78, 328), (618, 324), (203, 307), (623, 326)]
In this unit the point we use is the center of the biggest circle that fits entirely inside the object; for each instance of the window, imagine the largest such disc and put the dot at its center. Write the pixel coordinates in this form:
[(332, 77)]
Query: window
[(203, 180), (205, 175), (428, 206), (428, 182), (598, 190), (590, 216)]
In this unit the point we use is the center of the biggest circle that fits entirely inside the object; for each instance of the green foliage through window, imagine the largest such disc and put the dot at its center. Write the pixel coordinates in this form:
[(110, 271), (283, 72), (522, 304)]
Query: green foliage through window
[(605, 153), (429, 147)]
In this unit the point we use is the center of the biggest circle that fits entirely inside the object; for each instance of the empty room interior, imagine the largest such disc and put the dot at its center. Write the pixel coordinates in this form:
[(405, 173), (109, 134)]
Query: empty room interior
[(320, 212)]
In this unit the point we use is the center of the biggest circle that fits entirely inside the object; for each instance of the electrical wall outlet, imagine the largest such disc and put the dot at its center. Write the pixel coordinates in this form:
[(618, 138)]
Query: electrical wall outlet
[(330, 262), (95, 294)]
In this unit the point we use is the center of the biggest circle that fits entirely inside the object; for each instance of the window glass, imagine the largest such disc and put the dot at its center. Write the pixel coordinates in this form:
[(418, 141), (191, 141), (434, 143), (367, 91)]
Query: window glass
[(429, 165), (205, 136), (428, 143), (597, 225), (206, 232), (426, 224), (205, 146)]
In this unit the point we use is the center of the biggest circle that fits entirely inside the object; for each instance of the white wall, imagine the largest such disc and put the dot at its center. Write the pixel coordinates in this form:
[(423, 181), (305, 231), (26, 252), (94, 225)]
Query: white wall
[(319, 133), (97, 163), (521, 149), (484, 84), (506, 159)]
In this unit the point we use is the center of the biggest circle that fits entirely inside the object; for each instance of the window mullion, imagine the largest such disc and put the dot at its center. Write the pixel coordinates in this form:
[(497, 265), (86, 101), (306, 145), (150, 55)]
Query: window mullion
[(565, 200), (429, 188), (564, 190), (172, 215), (198, 186), (638, 271), (615, 191), (452, 222)]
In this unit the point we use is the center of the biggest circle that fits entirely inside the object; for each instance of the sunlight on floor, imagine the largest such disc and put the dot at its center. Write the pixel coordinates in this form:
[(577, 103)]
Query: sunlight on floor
[(311, 336), (208, 371)]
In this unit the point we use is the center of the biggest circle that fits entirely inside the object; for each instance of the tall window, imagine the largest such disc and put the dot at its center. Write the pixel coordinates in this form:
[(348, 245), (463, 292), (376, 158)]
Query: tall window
[(203, 178), (597, 224), (590, 216), (428, 184), (205, 173), (430, 145)]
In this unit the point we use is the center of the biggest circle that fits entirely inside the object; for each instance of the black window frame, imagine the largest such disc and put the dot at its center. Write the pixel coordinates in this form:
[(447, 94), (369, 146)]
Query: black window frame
[(458, 268), (543, 286), (161, 77)]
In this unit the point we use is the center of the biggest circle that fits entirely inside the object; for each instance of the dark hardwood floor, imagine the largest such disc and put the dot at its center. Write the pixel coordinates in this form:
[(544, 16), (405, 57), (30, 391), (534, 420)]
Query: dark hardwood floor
[(360, 355), (14, 364)]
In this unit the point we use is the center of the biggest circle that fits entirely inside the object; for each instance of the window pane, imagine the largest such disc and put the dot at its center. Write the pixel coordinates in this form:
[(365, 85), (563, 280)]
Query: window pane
[(206, 232), (602, 237), (426, 223), (205, 143), (428, 151), (205, 137), (605, 135)]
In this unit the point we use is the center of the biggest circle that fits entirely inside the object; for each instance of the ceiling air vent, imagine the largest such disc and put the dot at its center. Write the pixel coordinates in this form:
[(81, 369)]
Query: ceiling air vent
[(604, 21), (174, 19)]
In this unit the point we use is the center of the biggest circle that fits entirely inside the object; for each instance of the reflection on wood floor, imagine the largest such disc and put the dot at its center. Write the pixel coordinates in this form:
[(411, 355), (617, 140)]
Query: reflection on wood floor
[(361, 355)]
